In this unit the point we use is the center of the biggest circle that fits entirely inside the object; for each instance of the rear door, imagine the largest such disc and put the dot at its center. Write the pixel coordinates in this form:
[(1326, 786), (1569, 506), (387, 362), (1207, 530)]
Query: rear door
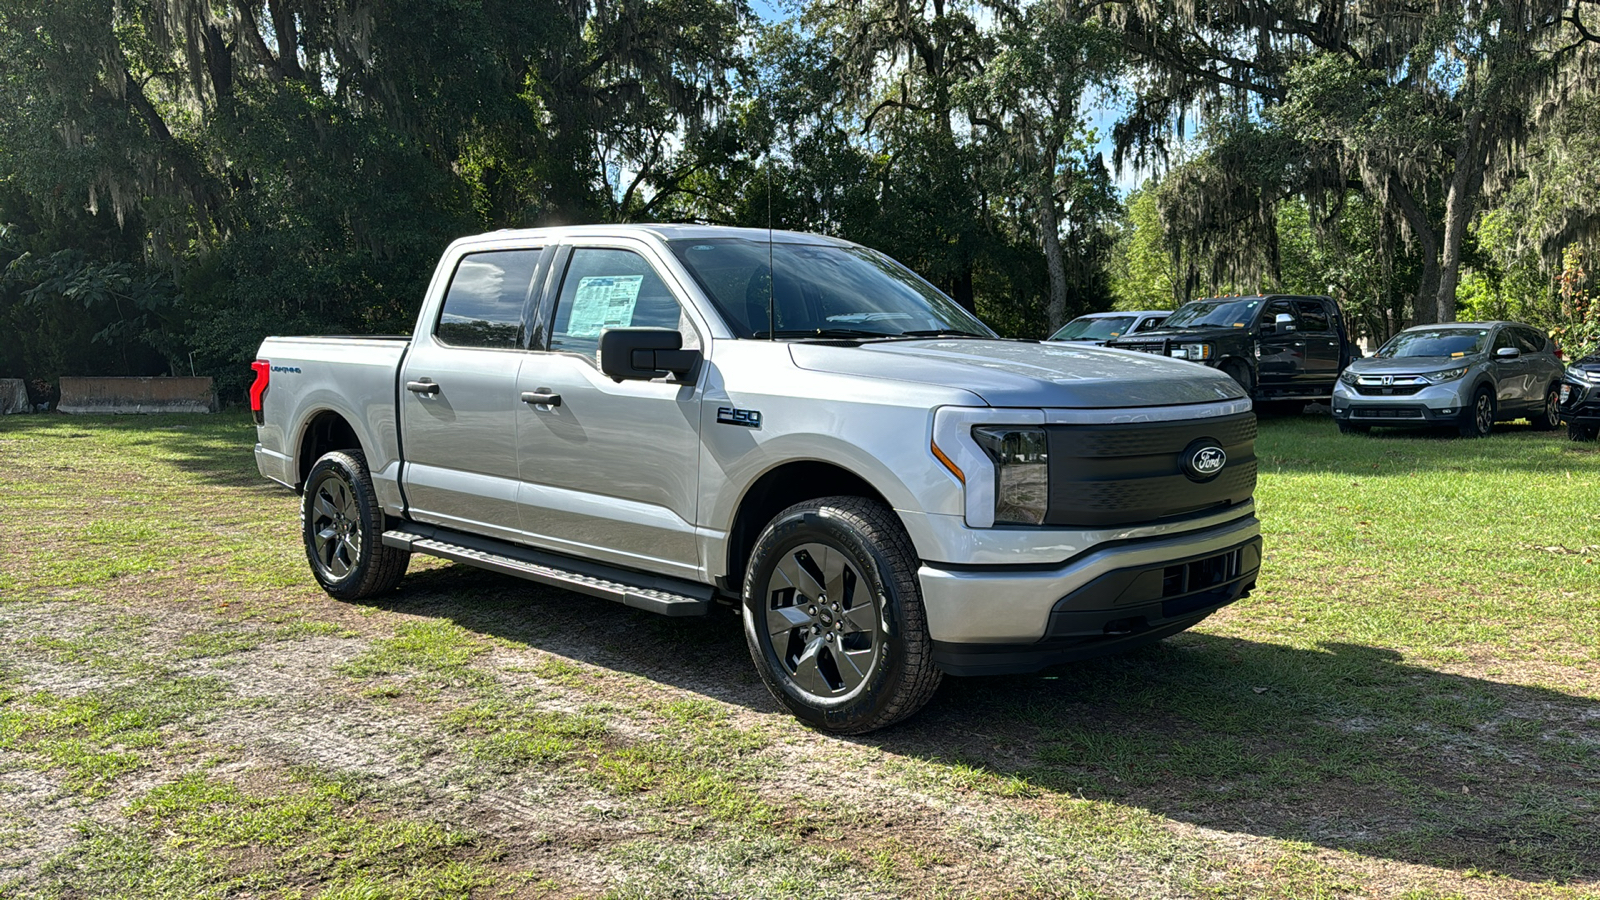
[(458, 400), (610, 469)]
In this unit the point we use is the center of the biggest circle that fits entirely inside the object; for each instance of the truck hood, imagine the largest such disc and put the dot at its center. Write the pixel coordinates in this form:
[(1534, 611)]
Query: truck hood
[(1179, 335), (1411, 365), (1010, 373)]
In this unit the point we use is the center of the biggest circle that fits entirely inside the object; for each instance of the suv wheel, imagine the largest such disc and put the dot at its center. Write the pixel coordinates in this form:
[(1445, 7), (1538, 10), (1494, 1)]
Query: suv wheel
[(1580, 432), (342, 526), (1353, 428), (1549, 418), (1480, 416), (833, 616)]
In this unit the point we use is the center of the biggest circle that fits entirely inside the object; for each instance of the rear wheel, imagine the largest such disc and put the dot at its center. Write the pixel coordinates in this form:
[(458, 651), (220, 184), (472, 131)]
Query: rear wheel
[(834, 618), (1549, 417), (342, 526), (1480, 416), (1580, 432)]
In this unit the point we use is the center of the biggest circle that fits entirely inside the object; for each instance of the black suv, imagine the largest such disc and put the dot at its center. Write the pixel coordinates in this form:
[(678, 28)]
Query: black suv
[(1580, 398), (1286, 348)]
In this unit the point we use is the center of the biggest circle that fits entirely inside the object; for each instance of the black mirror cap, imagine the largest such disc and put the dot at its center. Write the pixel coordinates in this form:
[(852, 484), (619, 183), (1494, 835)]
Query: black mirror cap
[(643, 354)]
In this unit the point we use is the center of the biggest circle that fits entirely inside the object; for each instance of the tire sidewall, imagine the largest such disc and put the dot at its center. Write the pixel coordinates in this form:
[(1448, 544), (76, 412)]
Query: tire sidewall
[(1552, 404), (351, 469), (1470, 425), (801, 525)]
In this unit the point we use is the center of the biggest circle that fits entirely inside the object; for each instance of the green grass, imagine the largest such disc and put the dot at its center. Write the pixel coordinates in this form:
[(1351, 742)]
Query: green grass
[(1404, 707)]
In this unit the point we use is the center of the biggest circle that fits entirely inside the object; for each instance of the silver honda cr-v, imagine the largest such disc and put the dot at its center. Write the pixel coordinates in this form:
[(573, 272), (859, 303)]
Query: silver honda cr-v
[(1469, 375)]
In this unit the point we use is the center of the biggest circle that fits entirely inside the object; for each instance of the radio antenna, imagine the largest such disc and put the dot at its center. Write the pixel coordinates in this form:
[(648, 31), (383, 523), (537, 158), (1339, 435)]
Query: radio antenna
[(772, 274)]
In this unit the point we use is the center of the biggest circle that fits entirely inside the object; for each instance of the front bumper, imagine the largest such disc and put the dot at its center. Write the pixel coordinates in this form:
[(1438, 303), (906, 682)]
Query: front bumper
[(989, 619), (1438, 404), (1580, 402)]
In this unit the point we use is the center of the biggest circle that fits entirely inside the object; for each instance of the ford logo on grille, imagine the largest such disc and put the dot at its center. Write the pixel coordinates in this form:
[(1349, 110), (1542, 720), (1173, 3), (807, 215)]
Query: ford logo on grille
[(1204, 459)]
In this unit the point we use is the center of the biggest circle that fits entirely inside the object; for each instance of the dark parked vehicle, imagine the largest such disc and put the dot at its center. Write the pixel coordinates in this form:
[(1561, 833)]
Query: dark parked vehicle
[(1108, 326), (1467, 375), (1580, 398), (1279, 347)]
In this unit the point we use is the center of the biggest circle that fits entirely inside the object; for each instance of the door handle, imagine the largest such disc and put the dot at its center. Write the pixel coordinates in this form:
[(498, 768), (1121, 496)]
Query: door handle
[(542, 397), (422, 387)]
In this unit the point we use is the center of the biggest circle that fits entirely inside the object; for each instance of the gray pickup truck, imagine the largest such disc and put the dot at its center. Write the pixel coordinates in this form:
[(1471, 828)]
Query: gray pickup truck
[(796, 428)]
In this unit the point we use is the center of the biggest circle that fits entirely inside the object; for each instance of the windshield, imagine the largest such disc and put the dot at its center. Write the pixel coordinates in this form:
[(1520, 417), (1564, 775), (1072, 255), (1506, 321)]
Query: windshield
[(820, 290), (1217, 312), (1094, 328), (1435, 342)]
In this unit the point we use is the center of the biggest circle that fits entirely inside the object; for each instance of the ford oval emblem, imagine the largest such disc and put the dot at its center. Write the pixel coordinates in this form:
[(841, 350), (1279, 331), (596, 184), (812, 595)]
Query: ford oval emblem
[(1204, 459)]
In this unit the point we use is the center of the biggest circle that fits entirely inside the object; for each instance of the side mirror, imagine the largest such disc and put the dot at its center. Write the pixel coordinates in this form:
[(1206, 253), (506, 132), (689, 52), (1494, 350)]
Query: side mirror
[(1507, 353), (644, 353)]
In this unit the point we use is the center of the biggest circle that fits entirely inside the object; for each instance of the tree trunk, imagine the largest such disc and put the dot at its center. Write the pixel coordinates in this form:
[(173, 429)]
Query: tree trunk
[(1424, 305), (1050, 234), (1460, 201)]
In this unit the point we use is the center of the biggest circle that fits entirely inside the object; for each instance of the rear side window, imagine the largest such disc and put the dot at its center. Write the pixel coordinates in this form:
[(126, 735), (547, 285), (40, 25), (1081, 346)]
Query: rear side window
[(1529, 340), (1313, 316), (487, 299)]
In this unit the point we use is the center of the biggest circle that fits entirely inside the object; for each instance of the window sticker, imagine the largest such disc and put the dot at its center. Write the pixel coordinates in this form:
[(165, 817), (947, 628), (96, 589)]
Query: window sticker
[(603, 301), (1458, 353)]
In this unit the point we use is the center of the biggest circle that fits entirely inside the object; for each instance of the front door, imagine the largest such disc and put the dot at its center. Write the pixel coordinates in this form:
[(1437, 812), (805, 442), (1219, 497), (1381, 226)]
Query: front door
[(1322, 343), (458, 406), (1283, 349), (609, 469)]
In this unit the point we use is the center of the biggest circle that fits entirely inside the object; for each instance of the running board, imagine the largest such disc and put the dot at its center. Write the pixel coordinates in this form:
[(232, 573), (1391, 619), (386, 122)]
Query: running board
[(652, 593)]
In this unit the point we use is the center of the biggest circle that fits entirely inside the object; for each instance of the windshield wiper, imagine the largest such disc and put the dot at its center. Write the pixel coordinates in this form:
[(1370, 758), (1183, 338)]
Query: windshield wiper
[(847, 333), (940, 332)]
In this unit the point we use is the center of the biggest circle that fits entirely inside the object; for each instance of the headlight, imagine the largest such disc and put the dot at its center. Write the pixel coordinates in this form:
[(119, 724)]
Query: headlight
[(1192, 351), (1021, 472), (1582, 376), (1446, 375), (1348, 377)]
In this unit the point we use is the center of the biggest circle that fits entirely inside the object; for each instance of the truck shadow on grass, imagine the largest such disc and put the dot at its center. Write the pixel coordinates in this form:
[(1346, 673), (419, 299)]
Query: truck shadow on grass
[(1341, 746)]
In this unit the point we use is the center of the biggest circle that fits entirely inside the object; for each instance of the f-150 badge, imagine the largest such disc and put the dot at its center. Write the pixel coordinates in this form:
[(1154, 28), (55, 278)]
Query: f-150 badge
[(732, 415)]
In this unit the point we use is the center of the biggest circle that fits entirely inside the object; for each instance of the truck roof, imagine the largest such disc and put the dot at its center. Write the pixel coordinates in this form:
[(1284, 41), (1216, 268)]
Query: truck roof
[(665, 232)]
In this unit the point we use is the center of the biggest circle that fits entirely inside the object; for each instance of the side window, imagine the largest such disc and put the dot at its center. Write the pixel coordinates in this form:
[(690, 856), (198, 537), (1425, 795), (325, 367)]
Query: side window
[(487, 297), (1313, 316), (1280, 307), (1502, 339), (612, 289), (1529, 340)]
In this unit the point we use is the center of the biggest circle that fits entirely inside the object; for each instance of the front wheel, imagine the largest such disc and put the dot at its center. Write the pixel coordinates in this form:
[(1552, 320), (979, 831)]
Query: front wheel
[(342, 526), (1353, 428), (1480, 417), (834, 618), (1549, 417), (1580, 432)]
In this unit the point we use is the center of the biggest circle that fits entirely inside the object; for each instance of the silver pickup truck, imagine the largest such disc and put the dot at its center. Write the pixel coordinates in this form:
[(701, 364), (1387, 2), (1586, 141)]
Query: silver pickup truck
[(797, 428)]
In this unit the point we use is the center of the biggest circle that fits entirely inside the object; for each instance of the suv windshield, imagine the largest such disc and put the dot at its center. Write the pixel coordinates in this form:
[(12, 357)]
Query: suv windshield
[(1094, 328), (1218, 312), (1435, 342), (821, 290)]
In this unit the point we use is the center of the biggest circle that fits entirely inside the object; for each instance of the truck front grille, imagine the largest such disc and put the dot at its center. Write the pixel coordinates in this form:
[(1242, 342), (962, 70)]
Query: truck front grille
[(1110, 475)]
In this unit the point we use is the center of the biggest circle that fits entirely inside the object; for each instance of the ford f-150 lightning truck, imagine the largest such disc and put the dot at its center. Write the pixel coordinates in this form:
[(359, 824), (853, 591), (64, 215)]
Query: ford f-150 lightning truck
[(684, 418)]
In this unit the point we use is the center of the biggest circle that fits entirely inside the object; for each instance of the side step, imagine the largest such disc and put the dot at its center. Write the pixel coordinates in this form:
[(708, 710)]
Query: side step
[(653, 593)]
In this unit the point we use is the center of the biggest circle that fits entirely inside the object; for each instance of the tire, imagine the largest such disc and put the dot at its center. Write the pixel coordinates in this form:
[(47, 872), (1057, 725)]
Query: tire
[(860, 659), (1548, 418), (1579, 432), (342, 527), (1478, 419), (1240, 373), (1353, 428)]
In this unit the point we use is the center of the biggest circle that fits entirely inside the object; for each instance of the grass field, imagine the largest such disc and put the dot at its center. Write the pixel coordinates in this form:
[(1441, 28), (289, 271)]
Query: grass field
[(1408, 706)]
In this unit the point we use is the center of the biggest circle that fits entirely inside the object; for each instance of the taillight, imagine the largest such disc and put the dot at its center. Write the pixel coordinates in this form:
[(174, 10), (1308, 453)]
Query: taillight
[(258, 390)]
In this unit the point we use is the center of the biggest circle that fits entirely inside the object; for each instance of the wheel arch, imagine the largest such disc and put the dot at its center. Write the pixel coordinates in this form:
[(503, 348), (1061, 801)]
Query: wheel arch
[(324, 431), (779, 488)]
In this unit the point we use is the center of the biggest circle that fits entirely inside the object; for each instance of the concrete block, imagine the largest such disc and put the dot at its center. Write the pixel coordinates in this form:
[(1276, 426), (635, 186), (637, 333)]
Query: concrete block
[(14, 396), (99, 396)]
